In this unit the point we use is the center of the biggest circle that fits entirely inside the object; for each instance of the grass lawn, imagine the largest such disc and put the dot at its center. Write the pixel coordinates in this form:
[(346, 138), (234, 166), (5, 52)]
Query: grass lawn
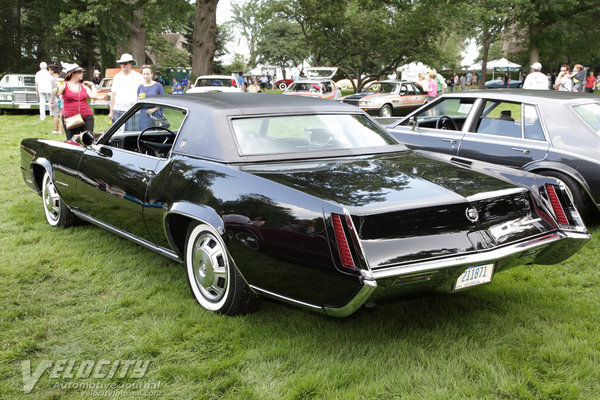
[(84, 294)]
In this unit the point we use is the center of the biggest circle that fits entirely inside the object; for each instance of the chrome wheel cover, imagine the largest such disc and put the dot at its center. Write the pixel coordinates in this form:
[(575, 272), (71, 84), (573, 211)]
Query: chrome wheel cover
[(386, 112), (51, 200), (209, 266)]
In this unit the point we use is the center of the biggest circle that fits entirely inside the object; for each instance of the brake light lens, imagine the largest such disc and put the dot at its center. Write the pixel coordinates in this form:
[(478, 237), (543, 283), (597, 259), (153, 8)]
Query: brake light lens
[(561, 217), (342, 242)]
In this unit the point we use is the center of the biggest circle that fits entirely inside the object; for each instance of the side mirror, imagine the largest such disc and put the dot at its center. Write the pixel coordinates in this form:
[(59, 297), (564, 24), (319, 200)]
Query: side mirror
[(85, 139)]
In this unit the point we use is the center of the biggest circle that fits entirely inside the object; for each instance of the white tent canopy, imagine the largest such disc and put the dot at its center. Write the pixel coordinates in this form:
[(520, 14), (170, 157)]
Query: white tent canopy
[(410, 72), (493, 65)]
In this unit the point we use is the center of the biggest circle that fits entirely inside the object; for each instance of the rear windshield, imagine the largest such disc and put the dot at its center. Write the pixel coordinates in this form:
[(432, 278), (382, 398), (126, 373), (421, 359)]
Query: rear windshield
[(590, 113), (306, 133)]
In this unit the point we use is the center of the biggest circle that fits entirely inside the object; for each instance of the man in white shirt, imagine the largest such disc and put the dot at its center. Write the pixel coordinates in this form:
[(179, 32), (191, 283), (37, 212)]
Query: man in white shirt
[(43, 88), (536, 80), (124, 90)]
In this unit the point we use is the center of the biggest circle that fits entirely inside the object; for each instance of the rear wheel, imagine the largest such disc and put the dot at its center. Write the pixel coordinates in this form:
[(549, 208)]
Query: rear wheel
[(56, 211), (282, 86), (574, 190), (386, 111), (214, 281)]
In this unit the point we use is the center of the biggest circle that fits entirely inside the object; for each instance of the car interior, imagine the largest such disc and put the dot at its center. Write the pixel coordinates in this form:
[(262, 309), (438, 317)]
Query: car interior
[(151, 134)]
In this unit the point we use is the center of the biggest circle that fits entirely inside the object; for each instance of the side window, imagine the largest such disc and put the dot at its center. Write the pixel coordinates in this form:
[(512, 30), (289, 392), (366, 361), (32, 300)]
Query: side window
[(501, 118), (410, 89), (327, 87), (531, 123), (159, 125)]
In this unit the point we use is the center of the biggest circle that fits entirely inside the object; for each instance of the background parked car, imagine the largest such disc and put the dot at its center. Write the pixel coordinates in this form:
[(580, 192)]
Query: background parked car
[(104, 89), (283, 84), (346, 83), (390, 97), (499, 84), (17, 92), (314, 87), (547, 132), (215, 83)]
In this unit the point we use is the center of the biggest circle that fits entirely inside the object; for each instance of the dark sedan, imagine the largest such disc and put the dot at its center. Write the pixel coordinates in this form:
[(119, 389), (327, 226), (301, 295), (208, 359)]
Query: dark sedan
[(551, 133), (303, 200)]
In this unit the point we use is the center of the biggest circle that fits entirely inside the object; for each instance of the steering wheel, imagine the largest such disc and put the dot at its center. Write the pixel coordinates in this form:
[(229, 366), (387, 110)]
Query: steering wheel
[(445, 122), (149, 144)]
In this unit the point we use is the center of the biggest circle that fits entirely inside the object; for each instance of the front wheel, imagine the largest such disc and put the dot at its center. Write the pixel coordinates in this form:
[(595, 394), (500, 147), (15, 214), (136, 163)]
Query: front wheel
[(282, 86), (213, 279), (386, 111), (56, 211)]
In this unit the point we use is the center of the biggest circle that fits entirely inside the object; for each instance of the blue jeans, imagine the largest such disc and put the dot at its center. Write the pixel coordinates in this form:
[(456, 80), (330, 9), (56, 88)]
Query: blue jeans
[(132, 123)]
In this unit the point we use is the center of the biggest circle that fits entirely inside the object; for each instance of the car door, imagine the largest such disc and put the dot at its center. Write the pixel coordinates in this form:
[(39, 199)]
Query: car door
[(438, 127), (506, 133), (114, 175)]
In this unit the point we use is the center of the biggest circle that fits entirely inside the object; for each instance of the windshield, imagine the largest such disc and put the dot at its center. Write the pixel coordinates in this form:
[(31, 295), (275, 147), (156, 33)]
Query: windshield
[(306, 133), (227, 82), (381, 87), (17, 80), (106, 83), (590, 114)]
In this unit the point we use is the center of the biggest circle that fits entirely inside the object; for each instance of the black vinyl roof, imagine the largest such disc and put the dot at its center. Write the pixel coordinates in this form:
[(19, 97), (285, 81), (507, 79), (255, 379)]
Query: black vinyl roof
[(232, 104), (207, 131)]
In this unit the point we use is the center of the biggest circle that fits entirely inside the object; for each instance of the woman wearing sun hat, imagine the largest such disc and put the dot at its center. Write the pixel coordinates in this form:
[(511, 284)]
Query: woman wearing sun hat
[(75, 95)]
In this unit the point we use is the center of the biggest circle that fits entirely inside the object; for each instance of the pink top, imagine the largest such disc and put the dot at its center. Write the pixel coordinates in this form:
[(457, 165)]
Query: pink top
[(432, 91), (71, 100)]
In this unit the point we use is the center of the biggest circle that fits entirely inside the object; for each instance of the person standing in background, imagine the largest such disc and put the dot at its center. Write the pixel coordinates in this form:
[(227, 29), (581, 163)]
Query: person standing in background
[(55, 101), (43, 88), (124, 90), (96, 79), (590, 82), (148, 89), (75, 95), (536, 80), (563, 80)]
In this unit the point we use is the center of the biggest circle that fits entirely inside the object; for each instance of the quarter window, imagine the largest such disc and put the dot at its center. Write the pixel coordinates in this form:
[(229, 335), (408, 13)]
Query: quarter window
[(531, 123)]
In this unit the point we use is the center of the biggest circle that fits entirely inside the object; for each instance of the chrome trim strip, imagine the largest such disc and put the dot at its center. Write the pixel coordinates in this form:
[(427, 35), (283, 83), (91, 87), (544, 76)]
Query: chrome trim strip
[(357, 301), (133, 238), (496, 193), (285, 299), (476, 258)]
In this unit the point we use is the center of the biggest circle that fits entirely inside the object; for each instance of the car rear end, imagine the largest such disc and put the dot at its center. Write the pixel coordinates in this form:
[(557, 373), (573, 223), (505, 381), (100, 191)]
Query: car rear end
[(454, 247)]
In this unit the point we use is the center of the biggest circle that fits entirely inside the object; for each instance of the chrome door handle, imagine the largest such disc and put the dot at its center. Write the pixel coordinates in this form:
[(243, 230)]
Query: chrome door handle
[(453, 141), (524, 151)]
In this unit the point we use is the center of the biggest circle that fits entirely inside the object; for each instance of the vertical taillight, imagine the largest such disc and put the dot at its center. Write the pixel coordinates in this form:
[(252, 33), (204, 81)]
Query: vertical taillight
[(559, 212), (342, 242)]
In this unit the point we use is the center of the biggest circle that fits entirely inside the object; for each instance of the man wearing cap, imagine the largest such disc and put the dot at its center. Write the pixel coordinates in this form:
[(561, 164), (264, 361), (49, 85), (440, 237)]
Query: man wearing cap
[(43, 88), (124, 90), (536, 80)]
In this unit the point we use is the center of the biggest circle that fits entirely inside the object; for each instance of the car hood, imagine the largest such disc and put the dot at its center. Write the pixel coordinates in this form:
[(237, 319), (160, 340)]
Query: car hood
[(385, 182)]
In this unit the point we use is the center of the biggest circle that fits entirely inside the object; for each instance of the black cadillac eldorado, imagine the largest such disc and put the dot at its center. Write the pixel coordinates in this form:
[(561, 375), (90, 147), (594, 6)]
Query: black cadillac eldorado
[(304, 200)]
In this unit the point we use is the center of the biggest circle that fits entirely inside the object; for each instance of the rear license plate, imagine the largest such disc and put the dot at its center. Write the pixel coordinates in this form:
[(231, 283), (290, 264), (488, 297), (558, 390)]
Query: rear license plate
[(24, 105), (475, 275)]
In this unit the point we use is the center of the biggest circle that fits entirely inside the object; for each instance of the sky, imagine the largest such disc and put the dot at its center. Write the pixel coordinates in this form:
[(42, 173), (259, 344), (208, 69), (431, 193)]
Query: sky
[(240, 46)]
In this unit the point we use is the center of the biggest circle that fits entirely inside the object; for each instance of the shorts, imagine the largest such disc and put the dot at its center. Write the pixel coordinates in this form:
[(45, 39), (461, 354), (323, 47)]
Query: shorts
[(56, 109)]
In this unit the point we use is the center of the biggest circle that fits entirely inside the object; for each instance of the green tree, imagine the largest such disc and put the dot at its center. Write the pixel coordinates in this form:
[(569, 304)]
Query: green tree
[(282, 43)]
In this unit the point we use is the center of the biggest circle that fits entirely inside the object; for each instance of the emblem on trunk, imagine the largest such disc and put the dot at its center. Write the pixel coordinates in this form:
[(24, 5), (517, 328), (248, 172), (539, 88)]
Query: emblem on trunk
[(472, 214)]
